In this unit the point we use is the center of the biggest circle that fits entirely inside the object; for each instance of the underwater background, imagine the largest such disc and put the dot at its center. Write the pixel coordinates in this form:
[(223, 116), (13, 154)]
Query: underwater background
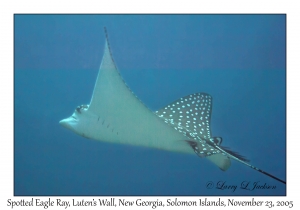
[(240, 60)]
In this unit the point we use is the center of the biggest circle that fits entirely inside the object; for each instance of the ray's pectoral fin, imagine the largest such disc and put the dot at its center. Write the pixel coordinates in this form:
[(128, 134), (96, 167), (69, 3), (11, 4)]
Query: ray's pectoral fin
[(190, 115)]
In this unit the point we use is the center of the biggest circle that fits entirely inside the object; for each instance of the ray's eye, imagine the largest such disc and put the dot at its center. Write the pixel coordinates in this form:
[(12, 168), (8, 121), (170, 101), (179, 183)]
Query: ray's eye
[(78, 109)]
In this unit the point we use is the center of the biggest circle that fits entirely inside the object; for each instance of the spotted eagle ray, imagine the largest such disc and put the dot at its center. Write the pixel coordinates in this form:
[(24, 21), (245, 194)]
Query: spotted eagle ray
[(116, 115)]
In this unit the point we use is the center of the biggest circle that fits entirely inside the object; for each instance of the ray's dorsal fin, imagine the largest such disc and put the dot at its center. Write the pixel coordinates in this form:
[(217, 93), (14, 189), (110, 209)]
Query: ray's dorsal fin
[(235, 154), (216, 140)]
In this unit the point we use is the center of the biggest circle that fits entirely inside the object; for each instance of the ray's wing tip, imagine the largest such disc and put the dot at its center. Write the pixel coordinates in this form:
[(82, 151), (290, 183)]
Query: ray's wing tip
[(106, 35), (206, 94)]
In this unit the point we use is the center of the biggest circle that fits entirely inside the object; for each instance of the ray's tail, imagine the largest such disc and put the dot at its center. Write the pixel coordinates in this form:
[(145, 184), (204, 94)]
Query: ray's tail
[(245, 161)]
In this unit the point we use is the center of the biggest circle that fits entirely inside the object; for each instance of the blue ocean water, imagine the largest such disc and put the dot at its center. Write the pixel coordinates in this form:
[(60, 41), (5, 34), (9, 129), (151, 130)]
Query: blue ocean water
[(238, 59)]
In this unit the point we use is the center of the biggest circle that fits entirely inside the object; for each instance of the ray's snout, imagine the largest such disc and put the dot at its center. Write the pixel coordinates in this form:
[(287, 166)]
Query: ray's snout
[(67, 123), (64, 123)]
